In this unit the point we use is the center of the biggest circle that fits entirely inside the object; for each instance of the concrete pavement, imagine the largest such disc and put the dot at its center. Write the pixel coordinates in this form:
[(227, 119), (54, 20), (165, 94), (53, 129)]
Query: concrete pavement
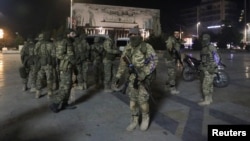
[(104, 116)]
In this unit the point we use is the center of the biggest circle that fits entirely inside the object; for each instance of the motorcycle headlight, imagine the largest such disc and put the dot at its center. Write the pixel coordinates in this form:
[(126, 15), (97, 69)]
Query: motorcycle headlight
[(220, 67)]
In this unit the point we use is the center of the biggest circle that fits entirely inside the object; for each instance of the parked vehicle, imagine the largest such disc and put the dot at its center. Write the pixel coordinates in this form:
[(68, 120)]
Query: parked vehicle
[(191, 71), (90, 38), (121, 43)]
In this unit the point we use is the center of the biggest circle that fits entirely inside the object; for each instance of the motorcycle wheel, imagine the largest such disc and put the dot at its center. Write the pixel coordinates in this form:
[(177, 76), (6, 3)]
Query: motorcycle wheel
[(188, 74), (221, 80)]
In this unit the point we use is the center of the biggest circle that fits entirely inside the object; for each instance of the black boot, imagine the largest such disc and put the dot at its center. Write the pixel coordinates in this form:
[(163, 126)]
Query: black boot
[(54, 107), (67, 106)]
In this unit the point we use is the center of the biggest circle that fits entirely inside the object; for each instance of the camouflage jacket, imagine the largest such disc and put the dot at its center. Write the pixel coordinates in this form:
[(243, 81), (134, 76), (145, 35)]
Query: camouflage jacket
[(64, 53), (172, 45), (81, 49), (209, 58), (110, 51), (45, 51), (27, 51), (97, 52), (143, 57)]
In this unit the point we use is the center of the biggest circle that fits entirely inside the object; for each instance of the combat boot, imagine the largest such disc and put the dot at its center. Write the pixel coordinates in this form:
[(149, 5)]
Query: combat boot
[(25, 87), (206, 101), (38, 94), (210, 98), (133, 123), (145, 122), (55, 107), (173, 91), (80, 86), (50, 93), (67, 106), (84, 85), (33, 88)]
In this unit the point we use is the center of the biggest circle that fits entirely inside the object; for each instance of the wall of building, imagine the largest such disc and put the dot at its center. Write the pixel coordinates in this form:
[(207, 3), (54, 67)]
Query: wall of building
[(107, 17), (209, 13)]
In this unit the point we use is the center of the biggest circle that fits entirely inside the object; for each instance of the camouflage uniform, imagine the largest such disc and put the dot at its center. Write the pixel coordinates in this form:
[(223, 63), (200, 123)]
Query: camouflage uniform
[(139, 95), (65, 55), (27, 58), (45, 51), (109, 63), (97, 53), (81, 49), (208, 67), (173, 44)]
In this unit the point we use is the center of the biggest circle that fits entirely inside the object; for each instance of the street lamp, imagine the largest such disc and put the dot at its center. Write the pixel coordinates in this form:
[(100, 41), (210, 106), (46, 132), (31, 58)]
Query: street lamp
[(71, 13), (1, 33), (245, 32), (198, 29)]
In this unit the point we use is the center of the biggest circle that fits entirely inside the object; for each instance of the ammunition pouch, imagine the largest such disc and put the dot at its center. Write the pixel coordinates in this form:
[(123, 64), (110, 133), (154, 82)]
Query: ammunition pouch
[(204, 58)]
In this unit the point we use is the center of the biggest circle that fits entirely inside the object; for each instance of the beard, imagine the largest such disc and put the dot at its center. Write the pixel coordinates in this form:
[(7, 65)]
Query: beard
[(135, 40)]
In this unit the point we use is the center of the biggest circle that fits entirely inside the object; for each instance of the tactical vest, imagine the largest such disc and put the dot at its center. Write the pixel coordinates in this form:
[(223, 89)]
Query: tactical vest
[(208, 62), (61, 51), (80, 49), (98, 51), (31, 47), (143, 50), (171, 54), (44, 53), (207, 55)]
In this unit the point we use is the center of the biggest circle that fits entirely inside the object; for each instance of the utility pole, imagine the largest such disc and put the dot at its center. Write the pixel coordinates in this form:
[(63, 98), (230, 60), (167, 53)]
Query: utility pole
[(245, 20), (71, 13)]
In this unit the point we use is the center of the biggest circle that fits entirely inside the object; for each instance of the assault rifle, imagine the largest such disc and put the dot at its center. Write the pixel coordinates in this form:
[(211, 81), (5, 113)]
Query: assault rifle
[(177, 55), (132, 69)]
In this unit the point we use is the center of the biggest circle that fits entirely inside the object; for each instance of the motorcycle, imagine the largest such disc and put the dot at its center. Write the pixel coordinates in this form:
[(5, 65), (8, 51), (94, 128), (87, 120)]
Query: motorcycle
[(191, 71)]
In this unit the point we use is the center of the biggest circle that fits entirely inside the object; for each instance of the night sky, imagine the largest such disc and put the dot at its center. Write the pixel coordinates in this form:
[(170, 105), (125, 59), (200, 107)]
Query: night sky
[(29, 17)]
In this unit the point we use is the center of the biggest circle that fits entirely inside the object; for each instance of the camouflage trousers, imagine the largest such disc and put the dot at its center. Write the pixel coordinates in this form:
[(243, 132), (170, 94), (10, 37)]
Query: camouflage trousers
[(171, 73), (82, 70), (65, 86), (207, 83), (110, 68), (98, 71), (45, 72), (139, 95), (31, 78)]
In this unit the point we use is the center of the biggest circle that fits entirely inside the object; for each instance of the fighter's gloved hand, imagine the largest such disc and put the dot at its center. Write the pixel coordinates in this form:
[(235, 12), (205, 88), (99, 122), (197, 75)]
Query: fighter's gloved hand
[(141, 76), (115, 84), (117, 81), (131, 68)]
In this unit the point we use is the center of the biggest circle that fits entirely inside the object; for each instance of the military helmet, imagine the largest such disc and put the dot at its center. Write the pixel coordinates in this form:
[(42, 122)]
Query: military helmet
[(134, 31)]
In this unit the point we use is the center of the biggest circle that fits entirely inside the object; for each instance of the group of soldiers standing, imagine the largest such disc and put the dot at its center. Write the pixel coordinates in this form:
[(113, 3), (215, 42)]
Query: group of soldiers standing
[(53, 64)]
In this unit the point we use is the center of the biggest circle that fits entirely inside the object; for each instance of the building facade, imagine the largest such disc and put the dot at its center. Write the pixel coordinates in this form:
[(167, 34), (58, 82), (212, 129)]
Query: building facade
[(102, 19), (209, 15)]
